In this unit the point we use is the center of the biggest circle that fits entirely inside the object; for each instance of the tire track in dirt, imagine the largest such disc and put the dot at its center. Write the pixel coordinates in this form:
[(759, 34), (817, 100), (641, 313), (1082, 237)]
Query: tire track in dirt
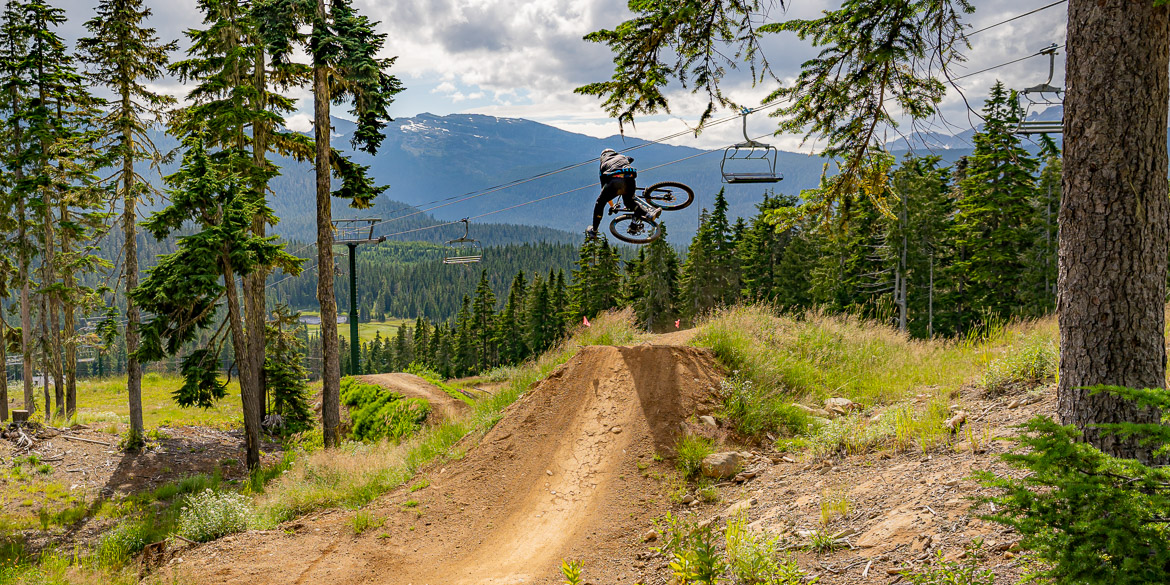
[(564, 475)]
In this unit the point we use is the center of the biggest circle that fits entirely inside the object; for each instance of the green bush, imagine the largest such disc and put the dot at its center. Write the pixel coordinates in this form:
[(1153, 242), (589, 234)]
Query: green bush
[(378, 413), (755, 411), (119, 543), (1090, 518), (689, 454), (208, 515), (944, 572), (1027, 365)]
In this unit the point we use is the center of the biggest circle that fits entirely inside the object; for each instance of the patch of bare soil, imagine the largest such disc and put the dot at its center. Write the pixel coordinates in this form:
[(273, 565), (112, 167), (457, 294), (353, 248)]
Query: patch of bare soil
[(89, 464), (570, 473), (443, 405), (567, 473)]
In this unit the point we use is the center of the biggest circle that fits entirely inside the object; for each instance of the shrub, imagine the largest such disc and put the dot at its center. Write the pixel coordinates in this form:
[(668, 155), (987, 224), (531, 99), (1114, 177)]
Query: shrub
[(756, 411), (120, 542), (753, 558), (1090, 518), (690, 452), (944, 572), (1025, 366), (209, 515), (378, 413)]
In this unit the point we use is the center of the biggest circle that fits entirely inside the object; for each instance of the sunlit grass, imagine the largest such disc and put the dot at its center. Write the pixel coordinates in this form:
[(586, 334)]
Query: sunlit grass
[(909, 383)]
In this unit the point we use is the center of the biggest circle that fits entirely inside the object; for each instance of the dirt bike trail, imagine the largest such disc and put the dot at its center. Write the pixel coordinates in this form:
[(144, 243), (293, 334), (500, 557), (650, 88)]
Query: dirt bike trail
[(443, 405), (568, 473)]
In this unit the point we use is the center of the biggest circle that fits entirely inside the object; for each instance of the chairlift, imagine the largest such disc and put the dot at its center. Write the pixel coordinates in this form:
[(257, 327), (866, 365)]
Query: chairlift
[(1041, 97), (750, 161), (464, 250)]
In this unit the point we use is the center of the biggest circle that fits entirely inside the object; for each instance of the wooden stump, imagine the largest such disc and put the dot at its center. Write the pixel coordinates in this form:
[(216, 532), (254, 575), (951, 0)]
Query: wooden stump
[(20, 416)]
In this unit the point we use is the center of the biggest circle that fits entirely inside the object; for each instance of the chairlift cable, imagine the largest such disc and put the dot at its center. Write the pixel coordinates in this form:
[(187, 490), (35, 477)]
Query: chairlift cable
[(1018, 16)]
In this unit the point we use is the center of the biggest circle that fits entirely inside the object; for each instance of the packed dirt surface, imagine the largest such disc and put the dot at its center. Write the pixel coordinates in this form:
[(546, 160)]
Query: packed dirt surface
[(574, 471), (566, 474), (443, 405)]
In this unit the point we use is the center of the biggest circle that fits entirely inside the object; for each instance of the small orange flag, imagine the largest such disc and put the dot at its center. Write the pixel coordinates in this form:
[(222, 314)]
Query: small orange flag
[(586, 321), (676, 322)]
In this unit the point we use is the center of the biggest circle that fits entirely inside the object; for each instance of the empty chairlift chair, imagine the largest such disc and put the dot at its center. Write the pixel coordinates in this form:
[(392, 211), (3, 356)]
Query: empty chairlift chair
[(463, 250), (750, 161), (1041, 97)]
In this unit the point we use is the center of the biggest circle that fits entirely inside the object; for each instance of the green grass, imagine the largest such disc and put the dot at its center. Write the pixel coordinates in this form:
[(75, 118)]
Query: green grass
[(777, 361), (366, 330), (689, 454), (102, 401)]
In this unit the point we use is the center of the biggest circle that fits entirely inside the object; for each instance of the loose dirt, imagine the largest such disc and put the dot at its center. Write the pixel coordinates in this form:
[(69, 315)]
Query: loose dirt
[(568, 473), (443, 405), (573, 471)]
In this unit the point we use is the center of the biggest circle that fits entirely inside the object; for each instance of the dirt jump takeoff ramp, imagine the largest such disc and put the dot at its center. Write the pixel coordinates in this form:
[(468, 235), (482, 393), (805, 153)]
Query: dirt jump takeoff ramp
[(568, 473)]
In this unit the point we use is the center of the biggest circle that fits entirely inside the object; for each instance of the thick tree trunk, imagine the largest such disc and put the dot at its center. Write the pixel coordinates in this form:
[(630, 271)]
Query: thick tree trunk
[(3, 360), (1114, 214), (254, 300), (129, 233), (68, 312), (331, 364), (26, 326), (249, 397), (45, 368)]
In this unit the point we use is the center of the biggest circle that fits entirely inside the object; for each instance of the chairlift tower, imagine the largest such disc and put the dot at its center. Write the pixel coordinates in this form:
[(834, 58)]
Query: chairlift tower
[(347, 232)]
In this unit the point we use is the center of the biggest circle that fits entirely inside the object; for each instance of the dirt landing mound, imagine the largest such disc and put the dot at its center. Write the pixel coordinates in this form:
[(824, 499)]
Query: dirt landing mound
[(567, 474), (443, 405)]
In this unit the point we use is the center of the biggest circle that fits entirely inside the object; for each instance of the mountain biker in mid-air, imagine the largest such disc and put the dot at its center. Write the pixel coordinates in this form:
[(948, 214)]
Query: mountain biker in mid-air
[(618, 178)]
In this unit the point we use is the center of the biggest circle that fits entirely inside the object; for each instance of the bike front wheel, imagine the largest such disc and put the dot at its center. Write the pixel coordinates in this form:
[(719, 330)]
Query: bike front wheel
[(634, 230), (669, 195)]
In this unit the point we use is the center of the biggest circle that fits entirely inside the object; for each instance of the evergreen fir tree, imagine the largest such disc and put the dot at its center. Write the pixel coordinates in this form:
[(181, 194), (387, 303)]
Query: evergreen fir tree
[(657, 283), (183, 289), (285, 372), (993, 225), (512, 325), (483, 323), (124, 55)]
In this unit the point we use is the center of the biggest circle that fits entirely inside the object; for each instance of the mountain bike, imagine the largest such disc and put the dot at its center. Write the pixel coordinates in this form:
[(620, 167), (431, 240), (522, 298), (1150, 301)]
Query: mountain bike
[(632, 228)]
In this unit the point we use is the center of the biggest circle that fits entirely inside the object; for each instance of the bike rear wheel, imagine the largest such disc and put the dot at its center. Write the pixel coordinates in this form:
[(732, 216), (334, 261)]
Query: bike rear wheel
[(634, 230), (669, 195)]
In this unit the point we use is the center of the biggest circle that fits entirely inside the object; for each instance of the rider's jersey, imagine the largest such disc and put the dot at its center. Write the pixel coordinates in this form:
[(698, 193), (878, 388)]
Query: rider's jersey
[(616, 165)]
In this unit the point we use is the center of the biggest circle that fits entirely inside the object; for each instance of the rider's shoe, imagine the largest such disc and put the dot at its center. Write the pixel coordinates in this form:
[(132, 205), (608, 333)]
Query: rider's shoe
[(590, 233)]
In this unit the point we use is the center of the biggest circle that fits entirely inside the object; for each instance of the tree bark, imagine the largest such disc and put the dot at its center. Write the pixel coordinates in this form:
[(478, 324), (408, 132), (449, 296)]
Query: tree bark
[(26, 326), (254, 300), (129, 209), (3, 360), (248, 395), (1113, 215), (331, 363)]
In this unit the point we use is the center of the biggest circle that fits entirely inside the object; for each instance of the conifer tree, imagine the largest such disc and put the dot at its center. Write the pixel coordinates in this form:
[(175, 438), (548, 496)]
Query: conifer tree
[(761, 249), (465, 340), (15, 98), (1040, 295), (403, 346), (511, 325), (995, 213), (422, 341), (710, 275), (657, 285), (184, 289), (541, 316), (285, 372), (484, 323), (343, 48), (124, 55)]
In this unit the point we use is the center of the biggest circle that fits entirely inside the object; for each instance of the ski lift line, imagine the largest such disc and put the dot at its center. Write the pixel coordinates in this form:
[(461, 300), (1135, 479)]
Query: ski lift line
[(1016, 17), (474, 194), (1012, 62)]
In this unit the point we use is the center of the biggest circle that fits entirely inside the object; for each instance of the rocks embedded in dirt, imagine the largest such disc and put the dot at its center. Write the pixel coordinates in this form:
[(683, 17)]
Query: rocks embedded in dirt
[(956, 421), (816, 412), (616, 430), (708, 420), (686, 499), (740, 507), (650, 536), (840, 406), (722, 465)]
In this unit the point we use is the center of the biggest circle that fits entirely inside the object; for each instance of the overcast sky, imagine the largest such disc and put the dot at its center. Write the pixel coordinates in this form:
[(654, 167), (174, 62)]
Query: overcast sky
[(522, 58)]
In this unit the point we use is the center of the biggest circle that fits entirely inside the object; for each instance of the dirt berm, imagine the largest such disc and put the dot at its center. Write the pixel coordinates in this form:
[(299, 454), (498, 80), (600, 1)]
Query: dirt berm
[(567, 474)]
